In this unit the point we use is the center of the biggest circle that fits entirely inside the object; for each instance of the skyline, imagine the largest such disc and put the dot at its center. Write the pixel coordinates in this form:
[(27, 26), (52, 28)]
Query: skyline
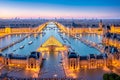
[(105, 9)]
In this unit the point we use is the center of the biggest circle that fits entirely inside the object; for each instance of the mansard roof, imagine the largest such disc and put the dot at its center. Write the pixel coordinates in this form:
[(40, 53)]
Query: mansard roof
[(83, 57), (35, 55), (91, 56), (14, 56), (72, 55)]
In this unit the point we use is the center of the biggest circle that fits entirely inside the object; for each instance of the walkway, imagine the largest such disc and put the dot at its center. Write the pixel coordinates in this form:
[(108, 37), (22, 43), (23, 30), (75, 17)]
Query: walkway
[(52, 67)]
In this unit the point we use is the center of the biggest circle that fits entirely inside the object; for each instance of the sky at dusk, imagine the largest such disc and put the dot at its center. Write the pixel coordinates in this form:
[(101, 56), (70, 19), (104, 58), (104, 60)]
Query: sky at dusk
[(60, 8)]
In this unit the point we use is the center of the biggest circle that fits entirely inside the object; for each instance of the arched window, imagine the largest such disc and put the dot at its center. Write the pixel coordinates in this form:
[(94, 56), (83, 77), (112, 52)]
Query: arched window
[(31, 65)]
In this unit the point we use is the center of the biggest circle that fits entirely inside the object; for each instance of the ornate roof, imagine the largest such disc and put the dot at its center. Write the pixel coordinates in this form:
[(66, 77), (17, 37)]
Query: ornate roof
[(72, 55), (35, 55)]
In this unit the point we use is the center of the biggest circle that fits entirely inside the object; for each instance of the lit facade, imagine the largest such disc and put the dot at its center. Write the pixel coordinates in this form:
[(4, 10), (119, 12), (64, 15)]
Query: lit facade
[(75, 62), (31, 62), (91, 61), (52, 44)]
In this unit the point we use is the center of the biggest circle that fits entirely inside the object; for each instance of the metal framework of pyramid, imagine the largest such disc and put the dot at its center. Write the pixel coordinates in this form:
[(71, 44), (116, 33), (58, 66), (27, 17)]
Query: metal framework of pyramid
[(52, 41)]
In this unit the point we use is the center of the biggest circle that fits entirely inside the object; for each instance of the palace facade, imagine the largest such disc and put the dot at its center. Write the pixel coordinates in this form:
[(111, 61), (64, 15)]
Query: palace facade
[(31, 62), (91, 61)]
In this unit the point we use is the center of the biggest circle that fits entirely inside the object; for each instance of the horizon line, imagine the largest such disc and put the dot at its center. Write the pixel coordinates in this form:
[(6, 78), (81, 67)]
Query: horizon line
[(56, 18)]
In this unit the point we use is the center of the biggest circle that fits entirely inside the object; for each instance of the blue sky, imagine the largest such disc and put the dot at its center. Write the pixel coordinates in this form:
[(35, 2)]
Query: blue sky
[(60, 8)]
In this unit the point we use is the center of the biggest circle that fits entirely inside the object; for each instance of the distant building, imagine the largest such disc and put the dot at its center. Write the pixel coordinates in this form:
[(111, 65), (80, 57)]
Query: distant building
[(100, 24)]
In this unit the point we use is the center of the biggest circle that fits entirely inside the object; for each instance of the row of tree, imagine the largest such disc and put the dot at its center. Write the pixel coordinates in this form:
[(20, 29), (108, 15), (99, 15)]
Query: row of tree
[(111, 76)]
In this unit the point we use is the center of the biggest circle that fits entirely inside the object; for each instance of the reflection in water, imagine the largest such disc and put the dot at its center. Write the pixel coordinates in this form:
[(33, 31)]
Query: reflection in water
[(93, 37), (9, 39), (51, 66)]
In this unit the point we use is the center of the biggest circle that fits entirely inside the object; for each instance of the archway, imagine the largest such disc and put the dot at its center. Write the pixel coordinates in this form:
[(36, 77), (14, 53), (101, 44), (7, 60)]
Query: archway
[(51, 48)]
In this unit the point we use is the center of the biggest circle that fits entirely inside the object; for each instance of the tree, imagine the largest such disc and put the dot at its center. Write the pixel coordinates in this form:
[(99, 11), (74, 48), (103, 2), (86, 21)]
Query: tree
[(111, 76), (118, 78), (106, 76)]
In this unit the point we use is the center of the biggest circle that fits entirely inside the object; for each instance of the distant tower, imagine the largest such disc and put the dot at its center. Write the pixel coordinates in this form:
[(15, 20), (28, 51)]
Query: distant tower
[(100, 24), (112, 28), (7, 29)]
